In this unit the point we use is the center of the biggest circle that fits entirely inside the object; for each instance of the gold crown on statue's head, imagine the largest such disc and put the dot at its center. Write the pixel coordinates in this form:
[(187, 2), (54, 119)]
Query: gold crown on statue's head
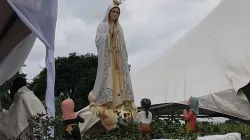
[(118, 2)]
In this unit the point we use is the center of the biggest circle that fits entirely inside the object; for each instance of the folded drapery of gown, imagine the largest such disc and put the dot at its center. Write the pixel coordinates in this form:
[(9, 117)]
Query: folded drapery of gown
[(2, 114), (26, 134), (89, 118), (16, 119)]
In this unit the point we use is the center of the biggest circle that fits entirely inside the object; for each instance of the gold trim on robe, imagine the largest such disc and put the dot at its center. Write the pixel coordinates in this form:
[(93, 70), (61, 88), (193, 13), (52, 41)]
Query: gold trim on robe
[(117, 69)]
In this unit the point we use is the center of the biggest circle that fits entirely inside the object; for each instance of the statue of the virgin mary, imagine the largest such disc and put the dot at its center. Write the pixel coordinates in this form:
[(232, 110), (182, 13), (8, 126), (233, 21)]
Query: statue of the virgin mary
[(113, 88)]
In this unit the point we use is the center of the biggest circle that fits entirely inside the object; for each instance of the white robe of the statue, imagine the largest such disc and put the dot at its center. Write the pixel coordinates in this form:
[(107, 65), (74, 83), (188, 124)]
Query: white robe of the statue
[(103, 84), (15, 120), (103, 88)]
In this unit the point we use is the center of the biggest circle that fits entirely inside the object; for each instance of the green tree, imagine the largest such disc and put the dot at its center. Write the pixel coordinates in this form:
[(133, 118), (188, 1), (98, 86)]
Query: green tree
[(75, 77)]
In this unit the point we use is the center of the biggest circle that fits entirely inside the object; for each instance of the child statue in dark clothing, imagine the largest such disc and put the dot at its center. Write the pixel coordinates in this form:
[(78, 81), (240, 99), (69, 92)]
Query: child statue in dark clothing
[(71, 120)]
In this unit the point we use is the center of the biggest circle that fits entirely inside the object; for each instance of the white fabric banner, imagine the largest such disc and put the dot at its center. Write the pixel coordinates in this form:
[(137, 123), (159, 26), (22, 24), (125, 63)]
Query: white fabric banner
[(211, 62), (40, 16), (16, 58)]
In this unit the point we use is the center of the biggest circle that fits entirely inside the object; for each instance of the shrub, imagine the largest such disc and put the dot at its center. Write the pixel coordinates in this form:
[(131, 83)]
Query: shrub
[(169, 127)]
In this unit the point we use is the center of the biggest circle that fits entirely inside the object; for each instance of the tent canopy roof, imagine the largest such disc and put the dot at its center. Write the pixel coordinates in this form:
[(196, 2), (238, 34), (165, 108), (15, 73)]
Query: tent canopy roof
[(211, 62)]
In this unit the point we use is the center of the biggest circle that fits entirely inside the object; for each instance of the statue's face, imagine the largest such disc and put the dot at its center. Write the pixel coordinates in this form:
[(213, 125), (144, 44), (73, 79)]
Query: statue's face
[(114, 14)]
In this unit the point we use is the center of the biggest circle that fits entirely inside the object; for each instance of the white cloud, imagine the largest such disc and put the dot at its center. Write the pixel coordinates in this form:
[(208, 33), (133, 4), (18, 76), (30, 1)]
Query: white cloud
[(150, 27)]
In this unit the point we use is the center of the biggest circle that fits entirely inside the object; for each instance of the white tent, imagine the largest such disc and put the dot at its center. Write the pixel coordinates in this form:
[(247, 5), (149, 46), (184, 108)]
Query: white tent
[(212, 62), (21, 22)]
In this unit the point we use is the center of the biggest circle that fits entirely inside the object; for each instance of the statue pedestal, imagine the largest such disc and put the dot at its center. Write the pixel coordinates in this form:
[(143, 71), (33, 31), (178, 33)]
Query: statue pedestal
[(109, 116)]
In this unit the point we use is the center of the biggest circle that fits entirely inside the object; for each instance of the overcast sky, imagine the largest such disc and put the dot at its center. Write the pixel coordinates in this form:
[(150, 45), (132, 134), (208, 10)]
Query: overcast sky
[(150, 28)]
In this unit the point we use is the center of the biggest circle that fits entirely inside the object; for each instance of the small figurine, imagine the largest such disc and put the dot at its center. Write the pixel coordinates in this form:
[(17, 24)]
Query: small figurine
[(71, 120), (190, 116), (144, 117)]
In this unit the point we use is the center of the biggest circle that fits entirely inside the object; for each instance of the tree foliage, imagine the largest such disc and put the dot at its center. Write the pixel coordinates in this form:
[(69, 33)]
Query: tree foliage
[(161, 128), (173, 128), (75, 77)]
